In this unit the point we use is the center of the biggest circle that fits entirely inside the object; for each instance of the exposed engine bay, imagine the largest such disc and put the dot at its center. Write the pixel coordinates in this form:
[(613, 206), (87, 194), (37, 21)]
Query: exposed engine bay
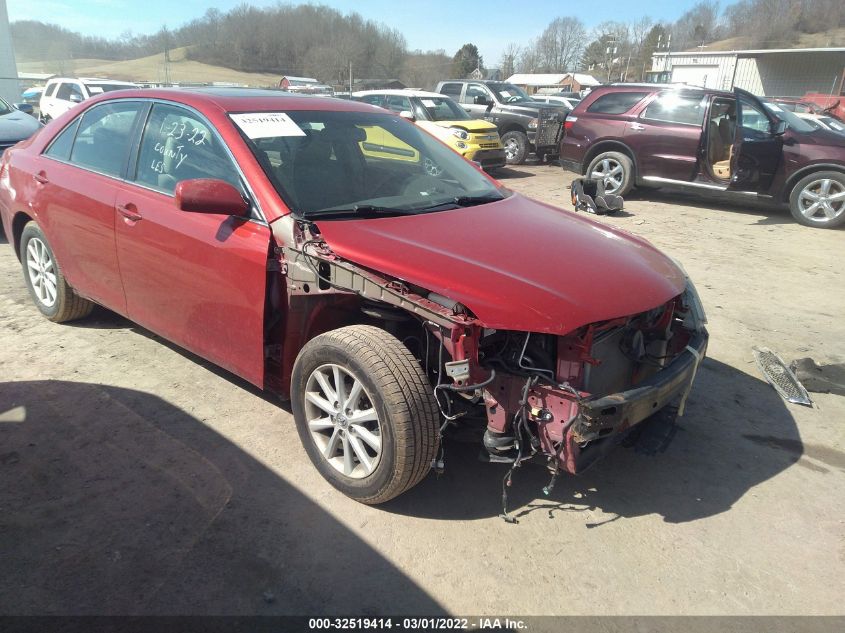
[(562, 399)]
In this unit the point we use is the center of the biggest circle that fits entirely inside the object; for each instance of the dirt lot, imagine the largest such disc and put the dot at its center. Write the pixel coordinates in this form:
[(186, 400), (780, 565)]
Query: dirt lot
[(135, 478)]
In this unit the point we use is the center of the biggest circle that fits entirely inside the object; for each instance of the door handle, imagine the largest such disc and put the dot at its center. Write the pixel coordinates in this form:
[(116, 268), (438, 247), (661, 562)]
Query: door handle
[(130, 212), (40, 178), (637, 127)]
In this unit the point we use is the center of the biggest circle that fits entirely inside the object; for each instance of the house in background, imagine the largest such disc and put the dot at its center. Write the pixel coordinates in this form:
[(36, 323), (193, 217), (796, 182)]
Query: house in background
[(304, 85), (491, 74), (767, 73), (378, 84), (547, 83)]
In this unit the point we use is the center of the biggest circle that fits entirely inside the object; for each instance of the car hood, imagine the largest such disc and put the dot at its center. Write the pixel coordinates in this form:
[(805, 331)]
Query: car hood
[(17, 126), (517, 264), (472, 125), (533, 108)]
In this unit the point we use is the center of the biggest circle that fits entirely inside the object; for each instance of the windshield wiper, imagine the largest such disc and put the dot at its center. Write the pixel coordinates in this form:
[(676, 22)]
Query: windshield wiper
[(468, 201), (355, 210)]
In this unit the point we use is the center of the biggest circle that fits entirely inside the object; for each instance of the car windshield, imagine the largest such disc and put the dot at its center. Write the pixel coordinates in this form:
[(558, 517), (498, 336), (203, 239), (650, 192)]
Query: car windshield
[(794, 122), (328, 164), (443, 109), (508, 93), (5, 108)]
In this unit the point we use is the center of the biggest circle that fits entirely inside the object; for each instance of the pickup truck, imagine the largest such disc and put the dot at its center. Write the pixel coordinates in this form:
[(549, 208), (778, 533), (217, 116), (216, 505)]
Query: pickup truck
[(525, 125)]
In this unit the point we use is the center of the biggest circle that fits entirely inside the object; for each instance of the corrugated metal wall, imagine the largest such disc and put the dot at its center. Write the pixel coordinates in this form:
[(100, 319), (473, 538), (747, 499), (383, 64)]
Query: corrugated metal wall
[(768, 74), (9, 87), (784, 74)]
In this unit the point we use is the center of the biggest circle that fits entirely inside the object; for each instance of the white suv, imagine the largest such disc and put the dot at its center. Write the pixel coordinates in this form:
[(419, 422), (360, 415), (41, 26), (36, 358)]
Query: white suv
[(62, 93)]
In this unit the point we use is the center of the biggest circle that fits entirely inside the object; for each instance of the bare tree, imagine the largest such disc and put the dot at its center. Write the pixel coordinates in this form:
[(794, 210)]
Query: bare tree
[(560, 46), (508, 62)]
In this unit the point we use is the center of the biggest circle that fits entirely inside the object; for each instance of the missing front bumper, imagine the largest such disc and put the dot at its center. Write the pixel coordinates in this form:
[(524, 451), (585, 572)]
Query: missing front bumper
[(611, 415)]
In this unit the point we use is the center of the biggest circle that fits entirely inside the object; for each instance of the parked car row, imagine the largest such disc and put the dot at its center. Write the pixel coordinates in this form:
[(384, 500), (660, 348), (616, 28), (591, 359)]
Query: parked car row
[(336, 254), (630, 135)]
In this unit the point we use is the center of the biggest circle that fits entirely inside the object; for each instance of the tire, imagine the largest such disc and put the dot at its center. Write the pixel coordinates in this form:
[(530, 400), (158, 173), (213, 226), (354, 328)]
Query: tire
[(516, 147), (605, 165), (817, 189), (398, 445), (47, 286)]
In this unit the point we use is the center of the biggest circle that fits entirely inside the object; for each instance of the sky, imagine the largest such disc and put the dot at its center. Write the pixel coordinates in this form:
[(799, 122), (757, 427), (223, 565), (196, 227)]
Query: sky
[(429, 25)]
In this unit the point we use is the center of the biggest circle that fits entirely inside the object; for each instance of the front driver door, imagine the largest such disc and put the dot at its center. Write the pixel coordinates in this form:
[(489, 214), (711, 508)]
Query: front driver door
[(194, 278), (758, 148)]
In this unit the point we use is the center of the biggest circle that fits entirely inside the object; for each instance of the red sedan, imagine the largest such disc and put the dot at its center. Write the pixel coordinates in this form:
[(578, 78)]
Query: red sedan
[(335, 254)]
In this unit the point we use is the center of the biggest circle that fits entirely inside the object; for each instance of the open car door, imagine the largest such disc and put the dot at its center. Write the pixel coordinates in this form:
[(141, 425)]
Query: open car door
[(758, 145)]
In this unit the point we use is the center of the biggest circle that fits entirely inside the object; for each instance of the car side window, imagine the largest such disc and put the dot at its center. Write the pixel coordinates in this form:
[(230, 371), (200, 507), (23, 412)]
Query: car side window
[(675, 108), (50, 90), (104, 137), (376, 100), (397, 103), (474, 91), (61, 146), (616, 102), (754, 120), (452, 89), (68, 89), (179, 145)]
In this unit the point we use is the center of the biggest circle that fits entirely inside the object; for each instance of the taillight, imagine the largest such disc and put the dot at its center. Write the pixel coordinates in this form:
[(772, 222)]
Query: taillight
[(567, 125)]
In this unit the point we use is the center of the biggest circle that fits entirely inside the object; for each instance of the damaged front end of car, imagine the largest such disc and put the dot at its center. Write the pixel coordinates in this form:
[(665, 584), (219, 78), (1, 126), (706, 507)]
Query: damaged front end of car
[(562, 398)]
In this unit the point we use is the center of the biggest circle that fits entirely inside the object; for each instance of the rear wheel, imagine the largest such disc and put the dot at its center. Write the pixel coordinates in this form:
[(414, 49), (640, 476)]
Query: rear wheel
[(365, 412), (516, 147), (818, 200), (615, 169), (47, 286)]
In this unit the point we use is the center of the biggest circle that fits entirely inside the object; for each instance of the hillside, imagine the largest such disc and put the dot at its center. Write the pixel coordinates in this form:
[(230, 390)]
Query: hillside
[(152, 68), (833, 37)]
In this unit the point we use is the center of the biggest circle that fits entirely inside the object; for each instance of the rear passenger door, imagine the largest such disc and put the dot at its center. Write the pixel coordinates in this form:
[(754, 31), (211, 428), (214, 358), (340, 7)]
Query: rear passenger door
[(77, 182), (197, 279), (666, 137)]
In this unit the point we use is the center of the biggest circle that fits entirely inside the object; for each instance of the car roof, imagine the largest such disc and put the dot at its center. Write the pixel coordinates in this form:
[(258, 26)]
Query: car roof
[(92, 80), (407, 92), (240, 99), (638, 87)]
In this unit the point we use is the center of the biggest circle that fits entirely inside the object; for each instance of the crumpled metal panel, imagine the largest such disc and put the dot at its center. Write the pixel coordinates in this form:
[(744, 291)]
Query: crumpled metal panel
[(781, 377)]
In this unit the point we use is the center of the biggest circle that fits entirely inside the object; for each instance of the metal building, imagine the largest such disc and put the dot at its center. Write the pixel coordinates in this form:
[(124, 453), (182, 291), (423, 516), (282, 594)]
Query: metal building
[(768, 73), (9, 86)]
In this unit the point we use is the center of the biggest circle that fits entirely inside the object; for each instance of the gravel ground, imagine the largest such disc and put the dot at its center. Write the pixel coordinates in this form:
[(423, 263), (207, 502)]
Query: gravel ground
[(137, 478)]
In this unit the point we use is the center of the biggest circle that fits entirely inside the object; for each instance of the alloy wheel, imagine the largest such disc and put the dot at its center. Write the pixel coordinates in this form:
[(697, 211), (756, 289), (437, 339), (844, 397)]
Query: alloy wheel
[(611, 172), (342, 421), (511, 149), (822, 200), (42, 273)]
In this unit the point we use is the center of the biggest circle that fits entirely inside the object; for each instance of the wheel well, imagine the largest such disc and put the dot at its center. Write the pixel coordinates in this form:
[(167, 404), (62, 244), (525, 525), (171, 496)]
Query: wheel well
[(608, 146), (798, 175), (18, 222), (513, 127)]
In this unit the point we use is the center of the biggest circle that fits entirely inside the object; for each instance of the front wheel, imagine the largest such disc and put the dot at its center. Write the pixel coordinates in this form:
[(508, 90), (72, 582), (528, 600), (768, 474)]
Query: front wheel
[(47, 285), (615, 169), (818, 200), (516, 147), (365, 412)]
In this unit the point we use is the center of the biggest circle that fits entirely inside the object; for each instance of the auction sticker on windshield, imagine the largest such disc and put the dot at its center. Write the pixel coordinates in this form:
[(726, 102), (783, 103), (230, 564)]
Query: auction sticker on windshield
[(267, 124)]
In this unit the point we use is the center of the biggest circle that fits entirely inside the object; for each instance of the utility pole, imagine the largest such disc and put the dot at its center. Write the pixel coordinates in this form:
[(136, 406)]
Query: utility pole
[(350, 77)]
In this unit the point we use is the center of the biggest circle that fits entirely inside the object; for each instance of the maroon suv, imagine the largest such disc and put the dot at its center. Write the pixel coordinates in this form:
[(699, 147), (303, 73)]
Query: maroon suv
[(651, 135)]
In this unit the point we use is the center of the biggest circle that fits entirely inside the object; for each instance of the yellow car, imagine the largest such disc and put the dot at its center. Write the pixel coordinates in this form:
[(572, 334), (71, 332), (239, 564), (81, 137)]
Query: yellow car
[(474, 139)]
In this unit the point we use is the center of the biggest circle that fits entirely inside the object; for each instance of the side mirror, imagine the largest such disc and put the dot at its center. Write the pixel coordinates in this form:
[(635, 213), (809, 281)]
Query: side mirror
[(208, 195), (75, 97), (26, 108), (779, 128), (407, 114), (481, 100)]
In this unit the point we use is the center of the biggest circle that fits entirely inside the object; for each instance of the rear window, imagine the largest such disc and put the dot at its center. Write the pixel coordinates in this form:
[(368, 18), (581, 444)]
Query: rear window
[(451, 89), (616, 102)]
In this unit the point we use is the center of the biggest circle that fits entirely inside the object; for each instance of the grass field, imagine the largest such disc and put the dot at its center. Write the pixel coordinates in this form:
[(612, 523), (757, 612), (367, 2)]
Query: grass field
[(152, 68)]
